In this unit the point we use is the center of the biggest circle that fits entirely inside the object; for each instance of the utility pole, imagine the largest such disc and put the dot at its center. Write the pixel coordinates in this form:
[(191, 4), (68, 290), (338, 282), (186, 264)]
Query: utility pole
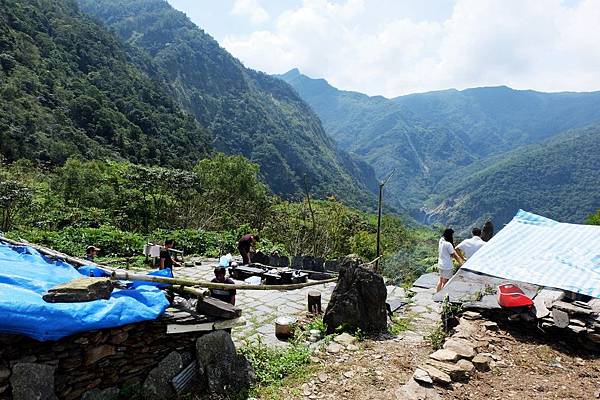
[(380, 207)]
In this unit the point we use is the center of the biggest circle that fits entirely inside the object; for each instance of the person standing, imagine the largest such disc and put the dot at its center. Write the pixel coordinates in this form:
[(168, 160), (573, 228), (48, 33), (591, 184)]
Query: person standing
[(245, 244), (166, 260), (226, 295), (470, 246), (446, 253)]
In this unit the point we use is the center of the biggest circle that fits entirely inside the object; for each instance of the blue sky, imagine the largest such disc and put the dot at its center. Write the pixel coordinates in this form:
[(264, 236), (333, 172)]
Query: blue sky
[(394, 47)]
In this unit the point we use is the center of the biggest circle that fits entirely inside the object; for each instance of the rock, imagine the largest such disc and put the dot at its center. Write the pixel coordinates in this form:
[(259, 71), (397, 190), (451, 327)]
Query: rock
[(561, 318), (4, 374), (217, 308), (462, 347), (334, 348), (352, 347), (223, 368), (358, 300), (411, 390), (471, 315), (345, 339), (436, 375), (465, 329), (444, 355), (482, 362), (99, 352), (455, 372), (158, 383), (32, 381), (323, 377), (490, 325), (422, 376), (349, 374), (466, 366), (80, 290), (97, 394)]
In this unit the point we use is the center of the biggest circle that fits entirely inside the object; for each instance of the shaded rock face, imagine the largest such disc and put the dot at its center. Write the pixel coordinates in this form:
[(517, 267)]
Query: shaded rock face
[(158, 383), (224, 369), (33, 381), (358, 300)]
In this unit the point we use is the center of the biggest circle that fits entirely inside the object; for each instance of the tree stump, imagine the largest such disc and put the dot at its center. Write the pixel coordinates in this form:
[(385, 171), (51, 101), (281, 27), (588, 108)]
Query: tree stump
[(314, 302)]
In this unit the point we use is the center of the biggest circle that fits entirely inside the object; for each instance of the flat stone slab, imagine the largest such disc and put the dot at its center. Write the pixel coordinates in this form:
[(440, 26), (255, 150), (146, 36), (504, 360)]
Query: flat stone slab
[(422, 376), (437, 375), (427, 281), (463, 348), (445, 355)]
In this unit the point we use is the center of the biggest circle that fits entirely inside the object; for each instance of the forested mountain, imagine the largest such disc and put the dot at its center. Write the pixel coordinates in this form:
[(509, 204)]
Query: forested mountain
[(557, 178), (69, 87), (249, 113), (436, 140)]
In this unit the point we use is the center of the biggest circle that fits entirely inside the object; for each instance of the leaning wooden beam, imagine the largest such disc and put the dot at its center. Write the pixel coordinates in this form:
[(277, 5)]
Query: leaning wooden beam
[(126, 276)]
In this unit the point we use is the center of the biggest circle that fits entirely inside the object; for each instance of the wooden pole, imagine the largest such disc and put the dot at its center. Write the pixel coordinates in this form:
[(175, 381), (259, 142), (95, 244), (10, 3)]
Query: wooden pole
[(314, 302), (379, 209), (126, 276)]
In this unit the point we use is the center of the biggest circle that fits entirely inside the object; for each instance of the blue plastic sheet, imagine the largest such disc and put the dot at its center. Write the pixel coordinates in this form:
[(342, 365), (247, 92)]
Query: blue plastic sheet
[(25, 275)]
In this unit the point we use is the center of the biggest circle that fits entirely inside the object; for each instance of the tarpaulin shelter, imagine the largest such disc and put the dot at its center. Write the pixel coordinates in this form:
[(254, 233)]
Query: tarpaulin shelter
[(543, 252), (26, 274)]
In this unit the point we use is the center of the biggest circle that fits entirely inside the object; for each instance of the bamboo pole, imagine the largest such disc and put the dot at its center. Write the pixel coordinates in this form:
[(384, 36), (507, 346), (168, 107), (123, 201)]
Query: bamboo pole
[(126, 276)]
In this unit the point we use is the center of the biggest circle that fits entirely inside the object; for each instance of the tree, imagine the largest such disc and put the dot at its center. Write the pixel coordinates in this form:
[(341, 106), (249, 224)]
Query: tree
[(12, 195)]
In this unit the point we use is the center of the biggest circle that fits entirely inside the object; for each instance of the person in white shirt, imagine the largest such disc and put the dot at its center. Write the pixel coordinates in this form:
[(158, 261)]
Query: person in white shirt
[(470, 246), (446, 253)]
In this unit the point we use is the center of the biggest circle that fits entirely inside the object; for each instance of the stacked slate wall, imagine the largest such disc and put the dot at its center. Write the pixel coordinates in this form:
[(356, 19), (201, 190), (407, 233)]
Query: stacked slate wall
[(101, 364)]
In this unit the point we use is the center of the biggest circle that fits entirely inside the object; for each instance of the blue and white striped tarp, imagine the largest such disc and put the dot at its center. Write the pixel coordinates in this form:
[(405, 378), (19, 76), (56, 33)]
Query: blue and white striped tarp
[(544, 252)]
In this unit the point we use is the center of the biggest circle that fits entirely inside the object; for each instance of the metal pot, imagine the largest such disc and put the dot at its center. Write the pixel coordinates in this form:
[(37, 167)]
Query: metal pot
[(284, 327)]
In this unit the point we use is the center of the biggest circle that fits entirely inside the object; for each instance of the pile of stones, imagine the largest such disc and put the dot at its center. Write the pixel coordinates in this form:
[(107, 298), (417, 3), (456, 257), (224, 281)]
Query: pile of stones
[(463, 353)]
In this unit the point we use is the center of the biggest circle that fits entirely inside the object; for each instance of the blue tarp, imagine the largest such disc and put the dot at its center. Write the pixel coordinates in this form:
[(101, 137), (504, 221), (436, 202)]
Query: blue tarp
[(25, 275), (544, 252)]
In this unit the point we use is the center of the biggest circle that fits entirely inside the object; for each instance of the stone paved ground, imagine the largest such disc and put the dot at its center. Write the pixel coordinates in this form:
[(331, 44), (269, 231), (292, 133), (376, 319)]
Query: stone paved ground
[(260, 308)]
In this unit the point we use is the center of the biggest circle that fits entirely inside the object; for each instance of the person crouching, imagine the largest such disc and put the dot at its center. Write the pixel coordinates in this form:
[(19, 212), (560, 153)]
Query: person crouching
[(226, 295)]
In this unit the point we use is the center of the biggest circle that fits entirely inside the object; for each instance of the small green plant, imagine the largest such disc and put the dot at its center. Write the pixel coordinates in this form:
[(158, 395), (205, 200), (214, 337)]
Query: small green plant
[(271, 365), (436, 337), (318, 324), (360, 335), (400, 324)]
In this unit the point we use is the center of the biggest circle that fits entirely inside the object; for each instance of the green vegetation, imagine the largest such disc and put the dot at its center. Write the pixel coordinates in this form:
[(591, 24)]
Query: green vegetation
[(248, 112), (400, 324), (557, 178), (452, 149), (593, 219), (69, 87), (120, 206), (436, 337), (273, 364)]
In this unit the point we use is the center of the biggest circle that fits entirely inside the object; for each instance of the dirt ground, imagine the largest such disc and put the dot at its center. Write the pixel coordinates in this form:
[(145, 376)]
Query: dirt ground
[(534, 367), (527, 367)]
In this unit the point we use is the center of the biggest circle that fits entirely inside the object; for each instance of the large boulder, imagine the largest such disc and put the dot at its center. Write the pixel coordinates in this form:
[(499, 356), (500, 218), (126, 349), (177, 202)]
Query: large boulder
[(224, 370), (32, 381), (158, 383), (358, 300)]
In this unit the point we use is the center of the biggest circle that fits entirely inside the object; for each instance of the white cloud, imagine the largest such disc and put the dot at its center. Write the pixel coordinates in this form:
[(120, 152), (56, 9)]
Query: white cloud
[(362, 45), (250, 9)]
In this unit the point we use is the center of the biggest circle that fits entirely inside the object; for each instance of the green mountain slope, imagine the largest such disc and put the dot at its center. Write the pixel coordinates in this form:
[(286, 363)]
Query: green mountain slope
[(434, 138), (249, 113), (557, 178), (69, 87)]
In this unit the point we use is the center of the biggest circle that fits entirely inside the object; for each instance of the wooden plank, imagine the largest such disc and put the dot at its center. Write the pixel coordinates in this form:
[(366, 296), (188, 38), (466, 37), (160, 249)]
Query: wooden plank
[(175, 328), (80, 290)]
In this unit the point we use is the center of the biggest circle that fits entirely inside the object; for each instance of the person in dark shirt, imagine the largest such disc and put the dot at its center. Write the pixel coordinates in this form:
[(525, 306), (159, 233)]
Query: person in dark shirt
[(91, 252), (166, 260), (244, 246), (227, 296)]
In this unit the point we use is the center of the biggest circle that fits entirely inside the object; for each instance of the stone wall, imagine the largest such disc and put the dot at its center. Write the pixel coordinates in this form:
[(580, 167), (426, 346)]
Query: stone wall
[(101, 364)]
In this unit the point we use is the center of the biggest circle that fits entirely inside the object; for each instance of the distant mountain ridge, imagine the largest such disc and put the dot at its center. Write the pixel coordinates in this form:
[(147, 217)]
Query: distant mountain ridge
[(248, 112), (433, 139)]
